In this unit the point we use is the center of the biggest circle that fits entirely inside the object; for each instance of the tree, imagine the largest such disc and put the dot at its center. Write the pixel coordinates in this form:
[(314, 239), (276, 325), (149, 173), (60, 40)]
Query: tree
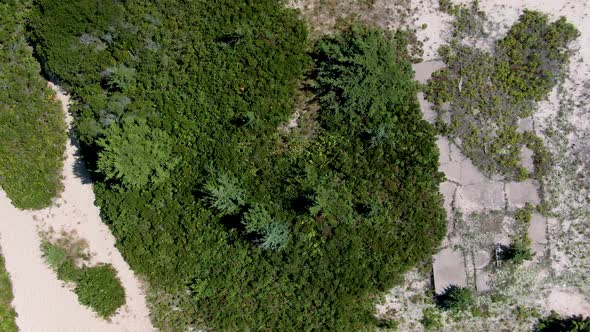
[(120, 77), (135, 154), (274, 233), (225, 194)]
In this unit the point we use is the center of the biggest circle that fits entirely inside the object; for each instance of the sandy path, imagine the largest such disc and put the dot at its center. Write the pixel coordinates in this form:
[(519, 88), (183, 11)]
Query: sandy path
[(42, 302)]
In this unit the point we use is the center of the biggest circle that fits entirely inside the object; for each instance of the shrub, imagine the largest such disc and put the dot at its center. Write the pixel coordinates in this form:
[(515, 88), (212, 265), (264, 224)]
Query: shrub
[(489, 92), (456, 299), (99, 288), (431, 319), (388, 324), (60, 261)]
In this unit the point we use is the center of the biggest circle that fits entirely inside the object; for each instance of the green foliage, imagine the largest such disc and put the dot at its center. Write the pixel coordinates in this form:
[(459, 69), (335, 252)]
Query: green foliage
[(241, 233), (490, 93), (136, 154), (520, 248), (554, 323), (32, 129), (7, 313), (120, 78), (226, 196), (99, 288), (274, 233), (456, 299), (431, 319), (533, 55), (61, 261), (388, 324), (524, 215)]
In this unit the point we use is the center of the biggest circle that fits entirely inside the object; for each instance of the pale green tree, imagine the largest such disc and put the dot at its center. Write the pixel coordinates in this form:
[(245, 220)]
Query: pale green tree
[(135, 154)]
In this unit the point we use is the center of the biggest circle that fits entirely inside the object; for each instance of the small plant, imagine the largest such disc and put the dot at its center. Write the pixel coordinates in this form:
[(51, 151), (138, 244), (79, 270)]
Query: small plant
[(525, 214), (456, 299), (431, 319), (60, 261), (388, 324)]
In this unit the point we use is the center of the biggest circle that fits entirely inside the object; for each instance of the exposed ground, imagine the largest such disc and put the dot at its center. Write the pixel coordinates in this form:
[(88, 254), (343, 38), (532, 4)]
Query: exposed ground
[(41, 301)]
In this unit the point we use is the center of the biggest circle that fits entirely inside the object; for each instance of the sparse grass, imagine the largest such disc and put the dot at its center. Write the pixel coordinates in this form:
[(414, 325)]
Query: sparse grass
[(97, 287), (7, 313)]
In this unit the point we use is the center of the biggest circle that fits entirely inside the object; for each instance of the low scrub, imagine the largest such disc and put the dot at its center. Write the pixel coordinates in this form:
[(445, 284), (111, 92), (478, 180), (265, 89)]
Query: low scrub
[(489, 93), (97, 287)]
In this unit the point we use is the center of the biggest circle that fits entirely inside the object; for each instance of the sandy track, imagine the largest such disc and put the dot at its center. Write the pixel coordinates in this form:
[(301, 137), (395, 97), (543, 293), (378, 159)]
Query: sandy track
[(41, 301)]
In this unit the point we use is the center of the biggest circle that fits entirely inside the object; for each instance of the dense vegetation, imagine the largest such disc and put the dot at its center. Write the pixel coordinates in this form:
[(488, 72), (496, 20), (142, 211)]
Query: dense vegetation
[(7, 313), (32, 129), (488, 93), (97, 287), (178, 106)]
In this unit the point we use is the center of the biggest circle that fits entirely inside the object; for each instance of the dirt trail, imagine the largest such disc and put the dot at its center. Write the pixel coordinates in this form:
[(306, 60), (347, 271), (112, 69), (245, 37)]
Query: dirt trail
[(42, 302)]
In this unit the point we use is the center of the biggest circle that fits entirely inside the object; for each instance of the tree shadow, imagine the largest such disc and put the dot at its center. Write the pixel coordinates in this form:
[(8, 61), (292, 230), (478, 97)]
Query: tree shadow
[(556, 323), (79, 166)]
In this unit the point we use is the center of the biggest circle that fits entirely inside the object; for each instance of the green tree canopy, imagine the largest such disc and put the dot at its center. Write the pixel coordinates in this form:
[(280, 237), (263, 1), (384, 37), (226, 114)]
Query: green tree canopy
[(135, 154)]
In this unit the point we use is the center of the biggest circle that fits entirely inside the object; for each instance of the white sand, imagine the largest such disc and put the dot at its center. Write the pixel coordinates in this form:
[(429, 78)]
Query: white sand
[(42, 302)]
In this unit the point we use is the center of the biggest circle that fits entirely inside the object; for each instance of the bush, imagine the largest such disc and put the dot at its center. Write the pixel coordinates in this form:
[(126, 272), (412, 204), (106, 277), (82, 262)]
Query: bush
[(456, 299), (99, 288), (431, 319), (489, 92), (60, 261)]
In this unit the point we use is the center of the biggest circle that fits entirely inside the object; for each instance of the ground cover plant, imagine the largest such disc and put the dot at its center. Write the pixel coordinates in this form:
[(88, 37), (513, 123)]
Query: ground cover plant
[(7, 313), (32, 129), (488, 93), (97, 287), (232, 230)]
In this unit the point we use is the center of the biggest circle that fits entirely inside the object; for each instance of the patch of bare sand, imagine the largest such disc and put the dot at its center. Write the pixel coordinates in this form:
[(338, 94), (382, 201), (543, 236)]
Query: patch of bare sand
[(42, 302)]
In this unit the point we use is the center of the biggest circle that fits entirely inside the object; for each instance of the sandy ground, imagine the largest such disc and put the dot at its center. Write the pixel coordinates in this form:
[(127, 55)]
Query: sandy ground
[(42, 302)]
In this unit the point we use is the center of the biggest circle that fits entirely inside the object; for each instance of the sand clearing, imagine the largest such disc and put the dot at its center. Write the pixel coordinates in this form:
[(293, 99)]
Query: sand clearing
[(42, 302)]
